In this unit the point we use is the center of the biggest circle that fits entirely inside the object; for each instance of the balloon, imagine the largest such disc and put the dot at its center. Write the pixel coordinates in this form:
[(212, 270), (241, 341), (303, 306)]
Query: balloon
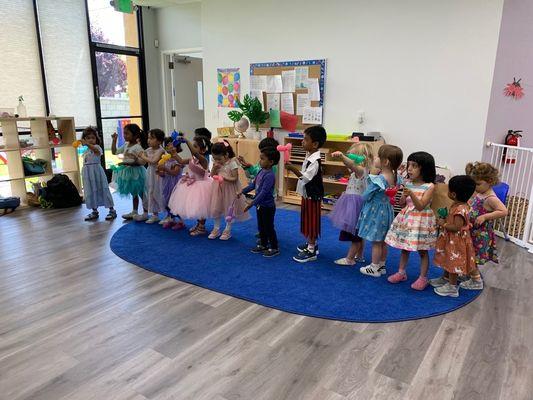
[(220, 98), (237, 76), (236, 86), (231, 98), (230, 87), (219, 77), (225, 80), (225, 90)]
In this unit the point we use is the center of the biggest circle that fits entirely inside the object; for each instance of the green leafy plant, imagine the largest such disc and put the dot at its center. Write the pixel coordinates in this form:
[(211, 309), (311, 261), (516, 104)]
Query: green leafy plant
[(252, 108)]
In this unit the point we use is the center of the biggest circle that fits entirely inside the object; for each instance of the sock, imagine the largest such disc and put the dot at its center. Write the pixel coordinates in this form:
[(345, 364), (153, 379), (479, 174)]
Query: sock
[(381, 263), (216, 225), (476, 278), (311, 247)]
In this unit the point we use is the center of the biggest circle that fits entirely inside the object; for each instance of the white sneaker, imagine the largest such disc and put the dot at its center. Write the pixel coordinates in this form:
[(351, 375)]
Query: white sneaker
[(141, 217), (371, 270), (472, 284), (130, 215), (152, 220), (344, 261), (168, 218), (447, 290)]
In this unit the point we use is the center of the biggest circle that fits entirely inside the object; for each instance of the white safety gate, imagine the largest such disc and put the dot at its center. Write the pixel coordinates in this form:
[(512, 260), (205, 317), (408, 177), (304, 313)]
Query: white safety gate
[(516, 169)]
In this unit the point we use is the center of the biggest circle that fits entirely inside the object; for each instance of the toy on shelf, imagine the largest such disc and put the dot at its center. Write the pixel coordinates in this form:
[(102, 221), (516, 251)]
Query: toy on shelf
[(286, 150), (164, 159), (76, 144)]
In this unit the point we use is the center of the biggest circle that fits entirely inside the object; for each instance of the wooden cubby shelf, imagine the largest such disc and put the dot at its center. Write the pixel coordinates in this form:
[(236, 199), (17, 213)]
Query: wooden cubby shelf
[(65, 157), (330, 167)]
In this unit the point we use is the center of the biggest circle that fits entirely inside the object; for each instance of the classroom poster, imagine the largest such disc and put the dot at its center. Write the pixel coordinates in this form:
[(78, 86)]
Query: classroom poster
[(229, 86)]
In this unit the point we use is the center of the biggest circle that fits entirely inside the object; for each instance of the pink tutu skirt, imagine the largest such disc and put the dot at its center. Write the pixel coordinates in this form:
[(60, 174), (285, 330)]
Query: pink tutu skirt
[(191, 200), (345, 215), (222, 199)]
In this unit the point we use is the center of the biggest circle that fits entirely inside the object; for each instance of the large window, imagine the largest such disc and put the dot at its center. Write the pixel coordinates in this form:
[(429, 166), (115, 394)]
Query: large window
[(118, 70)]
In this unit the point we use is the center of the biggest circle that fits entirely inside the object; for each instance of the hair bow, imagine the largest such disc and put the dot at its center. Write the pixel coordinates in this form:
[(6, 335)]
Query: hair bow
[(218, 178), (225, 143)]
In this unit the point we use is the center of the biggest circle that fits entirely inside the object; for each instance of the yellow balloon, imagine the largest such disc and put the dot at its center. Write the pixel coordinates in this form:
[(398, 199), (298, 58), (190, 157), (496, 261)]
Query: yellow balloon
[(230, 77), (225, 102)]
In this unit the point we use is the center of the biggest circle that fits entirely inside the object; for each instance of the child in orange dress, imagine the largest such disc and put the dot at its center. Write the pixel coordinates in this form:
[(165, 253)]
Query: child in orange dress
[(454, 250)]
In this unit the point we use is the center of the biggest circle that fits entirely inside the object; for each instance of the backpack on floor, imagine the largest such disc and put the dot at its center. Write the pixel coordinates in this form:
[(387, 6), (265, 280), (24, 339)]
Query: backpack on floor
[(9, 204), (61, 192)]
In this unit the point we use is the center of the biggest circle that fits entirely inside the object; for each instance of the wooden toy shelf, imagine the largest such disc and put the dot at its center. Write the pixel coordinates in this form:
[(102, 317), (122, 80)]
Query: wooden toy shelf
[(60, 158), (330, 168)]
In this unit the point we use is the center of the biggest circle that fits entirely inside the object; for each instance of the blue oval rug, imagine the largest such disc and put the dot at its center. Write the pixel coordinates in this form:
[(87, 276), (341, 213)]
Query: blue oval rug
[(317, 289)]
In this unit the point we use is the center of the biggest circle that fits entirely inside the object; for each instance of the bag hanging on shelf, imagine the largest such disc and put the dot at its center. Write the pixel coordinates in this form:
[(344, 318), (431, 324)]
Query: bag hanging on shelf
[(33, 167)]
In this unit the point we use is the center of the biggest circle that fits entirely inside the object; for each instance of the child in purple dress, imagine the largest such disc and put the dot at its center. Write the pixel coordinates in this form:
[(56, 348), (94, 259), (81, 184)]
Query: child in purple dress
[(170, 172), (345, 215)]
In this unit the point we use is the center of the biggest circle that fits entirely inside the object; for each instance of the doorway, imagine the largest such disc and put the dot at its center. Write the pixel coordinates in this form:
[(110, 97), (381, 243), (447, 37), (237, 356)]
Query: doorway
[(184, 94)]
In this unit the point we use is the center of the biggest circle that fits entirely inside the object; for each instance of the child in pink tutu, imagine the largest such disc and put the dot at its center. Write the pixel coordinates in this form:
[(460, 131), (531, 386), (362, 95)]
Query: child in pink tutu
[(170, 173), (225, 191), (191, 197), (345, 215)]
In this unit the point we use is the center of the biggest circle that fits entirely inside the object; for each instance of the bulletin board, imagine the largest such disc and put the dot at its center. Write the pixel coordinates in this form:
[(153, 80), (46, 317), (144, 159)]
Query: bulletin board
[(316, 69)]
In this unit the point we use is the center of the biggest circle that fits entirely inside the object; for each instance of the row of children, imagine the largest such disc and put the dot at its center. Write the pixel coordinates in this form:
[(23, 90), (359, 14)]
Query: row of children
[(463, 240), (158, 181)]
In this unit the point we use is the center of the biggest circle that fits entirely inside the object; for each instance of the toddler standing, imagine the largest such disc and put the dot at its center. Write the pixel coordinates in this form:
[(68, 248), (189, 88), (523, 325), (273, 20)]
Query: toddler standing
[(485, 207), (345, 214), (311, 188), (377, 213), (454, 251), (95, 186), (414, 228), (225, 191), (154, 191)]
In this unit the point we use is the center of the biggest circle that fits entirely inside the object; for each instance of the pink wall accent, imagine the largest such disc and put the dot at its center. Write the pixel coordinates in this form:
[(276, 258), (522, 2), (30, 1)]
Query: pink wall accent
[(514, 58)]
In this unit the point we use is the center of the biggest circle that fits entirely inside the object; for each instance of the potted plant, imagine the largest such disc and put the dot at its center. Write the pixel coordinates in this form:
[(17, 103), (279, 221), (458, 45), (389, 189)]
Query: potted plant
[(252, 109)]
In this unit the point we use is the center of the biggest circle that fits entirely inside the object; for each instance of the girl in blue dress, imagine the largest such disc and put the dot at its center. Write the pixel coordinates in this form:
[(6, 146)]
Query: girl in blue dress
[(377, 213), (95, 186)]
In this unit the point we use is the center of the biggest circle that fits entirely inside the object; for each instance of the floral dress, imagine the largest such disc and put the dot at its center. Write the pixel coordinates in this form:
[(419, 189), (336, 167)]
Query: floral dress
[(454, 251), (412, 229), (483, 236)]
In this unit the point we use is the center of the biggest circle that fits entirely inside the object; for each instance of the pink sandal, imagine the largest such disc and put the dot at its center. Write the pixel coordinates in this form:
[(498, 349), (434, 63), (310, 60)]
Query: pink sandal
[(397, 277), (420, 284), (178, 225)]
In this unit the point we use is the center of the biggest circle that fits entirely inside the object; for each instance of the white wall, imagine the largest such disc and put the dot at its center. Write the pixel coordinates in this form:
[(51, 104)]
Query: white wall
[(153, 68), (421, 69), (179, 27)]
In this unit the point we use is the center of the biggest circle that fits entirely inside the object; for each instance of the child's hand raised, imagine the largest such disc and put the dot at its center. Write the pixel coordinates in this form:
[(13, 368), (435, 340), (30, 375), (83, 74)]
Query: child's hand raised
[(114, 136), (243, 162)]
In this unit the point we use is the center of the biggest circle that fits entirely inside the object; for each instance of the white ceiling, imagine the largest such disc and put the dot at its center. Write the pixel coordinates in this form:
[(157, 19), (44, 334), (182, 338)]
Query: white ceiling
[(163, 3)]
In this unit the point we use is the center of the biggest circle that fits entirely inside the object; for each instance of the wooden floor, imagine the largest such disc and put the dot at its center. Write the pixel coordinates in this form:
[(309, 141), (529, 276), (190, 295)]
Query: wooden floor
[(76, 322)]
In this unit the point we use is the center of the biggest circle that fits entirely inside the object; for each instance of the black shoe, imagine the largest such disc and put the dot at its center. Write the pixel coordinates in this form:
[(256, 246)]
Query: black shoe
[(258, 249), (271, 253), (305, 256), (303, 247), (92, 216)]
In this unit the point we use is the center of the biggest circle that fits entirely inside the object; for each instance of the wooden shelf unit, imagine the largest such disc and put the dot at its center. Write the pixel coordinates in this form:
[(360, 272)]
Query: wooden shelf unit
[(65, 156), (330, 167)]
